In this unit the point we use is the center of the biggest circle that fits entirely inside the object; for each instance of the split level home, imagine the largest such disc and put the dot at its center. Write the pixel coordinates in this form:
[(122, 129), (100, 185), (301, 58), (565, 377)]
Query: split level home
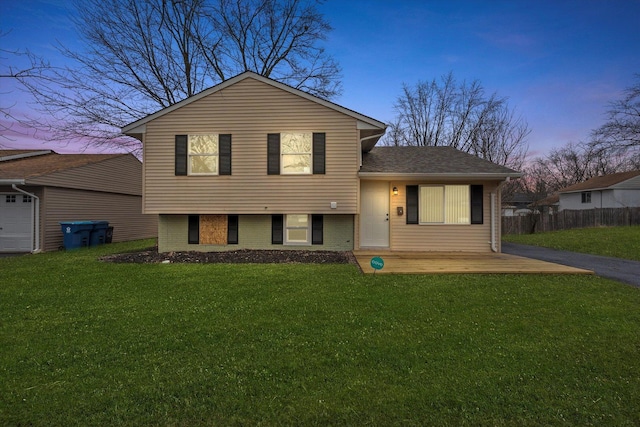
[(616, 190), (254, 163), (41, 188)]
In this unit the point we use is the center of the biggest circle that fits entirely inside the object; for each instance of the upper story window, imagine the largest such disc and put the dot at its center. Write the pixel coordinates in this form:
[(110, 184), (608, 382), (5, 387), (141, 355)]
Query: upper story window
[(203, 154), (586, 197), (295, 153), (295, 149)]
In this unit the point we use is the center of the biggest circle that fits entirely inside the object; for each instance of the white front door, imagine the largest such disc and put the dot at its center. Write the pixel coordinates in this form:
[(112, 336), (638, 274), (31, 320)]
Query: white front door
[(374, 214), (15, 223)]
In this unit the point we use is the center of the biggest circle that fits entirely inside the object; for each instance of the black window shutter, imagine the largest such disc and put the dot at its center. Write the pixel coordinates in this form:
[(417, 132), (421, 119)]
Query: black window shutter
[(277, 229), (181, 155), (316, 229), (273, 154), (232, 230), (318, 153), (412, 204), (224, 150), (476, 204), (194, 229)]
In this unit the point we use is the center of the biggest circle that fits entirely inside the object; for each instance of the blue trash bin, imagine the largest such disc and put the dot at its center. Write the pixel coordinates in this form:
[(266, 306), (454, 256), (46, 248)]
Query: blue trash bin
[(98, 233), (76, 234)]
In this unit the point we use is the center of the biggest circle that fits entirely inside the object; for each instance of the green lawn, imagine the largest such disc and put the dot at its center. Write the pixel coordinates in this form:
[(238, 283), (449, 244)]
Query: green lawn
[(89, 343), (619, 242)]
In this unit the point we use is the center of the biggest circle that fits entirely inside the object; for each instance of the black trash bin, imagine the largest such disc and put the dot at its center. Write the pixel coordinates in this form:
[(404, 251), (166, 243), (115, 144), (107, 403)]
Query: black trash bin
[(108, 237), (98, 233)]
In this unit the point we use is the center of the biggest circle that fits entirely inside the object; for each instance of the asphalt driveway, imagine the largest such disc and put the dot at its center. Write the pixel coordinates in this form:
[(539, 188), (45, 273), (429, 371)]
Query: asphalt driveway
[(622, 270)]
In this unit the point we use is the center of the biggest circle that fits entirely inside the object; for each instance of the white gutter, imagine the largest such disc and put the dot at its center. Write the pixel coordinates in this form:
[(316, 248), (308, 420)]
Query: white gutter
[(494, 243), (35, 217), (459, 176)]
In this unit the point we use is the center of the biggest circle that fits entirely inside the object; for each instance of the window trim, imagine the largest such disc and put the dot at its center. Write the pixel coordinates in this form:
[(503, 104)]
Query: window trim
[(585, 197), (318, 154), (444, 204), (286, 228), (309, 153), (192, 155), (182, 156)]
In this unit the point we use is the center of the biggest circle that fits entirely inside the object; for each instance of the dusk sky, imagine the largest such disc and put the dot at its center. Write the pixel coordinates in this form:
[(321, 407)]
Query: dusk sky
[(558, 62)]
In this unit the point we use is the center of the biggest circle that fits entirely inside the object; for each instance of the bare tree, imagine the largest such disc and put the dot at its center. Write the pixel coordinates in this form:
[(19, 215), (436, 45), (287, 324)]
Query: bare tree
[(11, 123), (568, 165), (459, 115), (145, 55), (621, 133)]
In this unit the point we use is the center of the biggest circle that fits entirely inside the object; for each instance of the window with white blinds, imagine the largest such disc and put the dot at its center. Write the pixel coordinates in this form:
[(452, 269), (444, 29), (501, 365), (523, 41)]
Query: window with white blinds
[(445, 204)]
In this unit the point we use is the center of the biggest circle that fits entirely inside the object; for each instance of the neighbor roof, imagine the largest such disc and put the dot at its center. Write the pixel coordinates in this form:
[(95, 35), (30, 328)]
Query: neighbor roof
[(137, 126), (46, 163), (430, 161), (553, 199), (601, 182)]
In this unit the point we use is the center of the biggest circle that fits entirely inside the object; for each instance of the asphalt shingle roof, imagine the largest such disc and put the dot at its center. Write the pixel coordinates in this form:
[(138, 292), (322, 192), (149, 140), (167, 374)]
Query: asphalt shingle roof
[(29, 167), (428, 160), (603, 181)]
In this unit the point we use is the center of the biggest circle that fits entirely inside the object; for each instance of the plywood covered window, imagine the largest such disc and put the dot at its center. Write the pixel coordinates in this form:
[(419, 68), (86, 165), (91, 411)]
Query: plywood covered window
[(444, 204), (213, 229)]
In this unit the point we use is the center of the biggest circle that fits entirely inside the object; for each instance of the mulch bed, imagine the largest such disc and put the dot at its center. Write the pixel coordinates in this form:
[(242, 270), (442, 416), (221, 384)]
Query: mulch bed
[(244, 256)]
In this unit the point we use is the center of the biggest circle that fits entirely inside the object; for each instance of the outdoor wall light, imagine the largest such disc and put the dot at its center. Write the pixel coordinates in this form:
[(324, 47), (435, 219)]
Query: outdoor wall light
[(395, 191)]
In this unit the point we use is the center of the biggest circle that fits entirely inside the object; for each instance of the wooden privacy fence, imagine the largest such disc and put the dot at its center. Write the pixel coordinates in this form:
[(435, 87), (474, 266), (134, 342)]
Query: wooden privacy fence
[(567, 219)]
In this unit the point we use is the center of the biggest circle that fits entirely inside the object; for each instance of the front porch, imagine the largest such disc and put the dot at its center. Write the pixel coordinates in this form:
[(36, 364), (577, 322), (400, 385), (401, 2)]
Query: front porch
[(458, 262)]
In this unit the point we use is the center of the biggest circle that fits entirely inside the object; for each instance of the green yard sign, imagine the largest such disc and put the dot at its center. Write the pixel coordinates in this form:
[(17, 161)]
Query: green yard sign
[(377, 263)]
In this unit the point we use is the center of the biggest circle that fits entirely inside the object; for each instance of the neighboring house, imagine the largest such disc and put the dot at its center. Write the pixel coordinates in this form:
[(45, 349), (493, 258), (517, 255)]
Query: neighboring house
[(40, 188), (548, 205), (618, 190), (516, 205), (254, 163)]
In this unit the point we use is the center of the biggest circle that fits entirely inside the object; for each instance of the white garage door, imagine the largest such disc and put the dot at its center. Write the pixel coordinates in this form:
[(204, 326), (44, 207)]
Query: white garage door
[(15, 223)]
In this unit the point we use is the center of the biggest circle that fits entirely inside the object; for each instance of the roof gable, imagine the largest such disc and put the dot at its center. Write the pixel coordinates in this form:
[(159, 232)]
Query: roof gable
[(364, 122), (430, 161), (601, 182)]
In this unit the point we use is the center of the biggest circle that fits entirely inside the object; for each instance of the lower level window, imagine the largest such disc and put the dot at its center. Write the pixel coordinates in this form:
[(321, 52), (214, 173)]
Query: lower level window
[(297, 229), (586, 197)]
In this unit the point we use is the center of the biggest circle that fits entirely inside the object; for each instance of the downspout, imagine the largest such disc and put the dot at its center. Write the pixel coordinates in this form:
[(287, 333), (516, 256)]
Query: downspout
[(361, 141), (35, 216), (494, 195)]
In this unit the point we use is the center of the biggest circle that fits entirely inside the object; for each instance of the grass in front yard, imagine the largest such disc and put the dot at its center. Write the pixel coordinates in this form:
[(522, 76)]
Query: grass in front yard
[(84, 342), (618, 242)]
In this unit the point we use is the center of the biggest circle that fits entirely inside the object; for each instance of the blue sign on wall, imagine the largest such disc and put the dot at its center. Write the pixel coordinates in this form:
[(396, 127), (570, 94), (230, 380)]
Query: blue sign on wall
[(377, 263)]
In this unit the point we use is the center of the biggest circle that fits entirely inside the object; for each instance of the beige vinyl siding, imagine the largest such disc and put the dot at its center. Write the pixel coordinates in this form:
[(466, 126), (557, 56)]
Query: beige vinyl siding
[(440, 237), (122, 174), (249, 110), (122, 211), (254, 232)]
